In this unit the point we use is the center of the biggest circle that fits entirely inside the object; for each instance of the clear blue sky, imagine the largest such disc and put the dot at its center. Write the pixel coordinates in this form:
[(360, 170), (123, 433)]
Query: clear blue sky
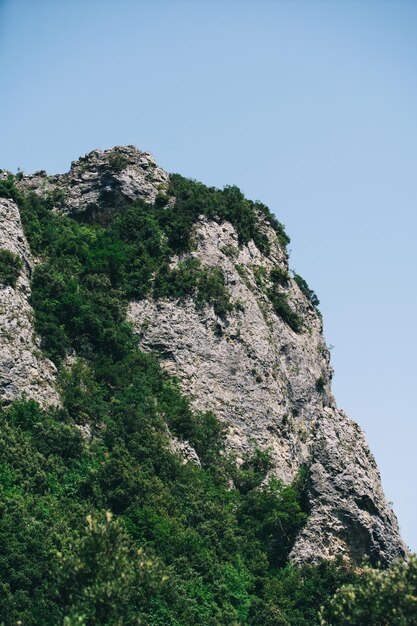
[(309, 106)]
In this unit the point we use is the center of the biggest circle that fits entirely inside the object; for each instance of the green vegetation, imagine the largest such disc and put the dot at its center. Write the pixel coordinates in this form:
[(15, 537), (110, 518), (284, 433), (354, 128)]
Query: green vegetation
[(279, 276), (113, 529), (205, 285), (320, 384), (309, 293), (216, 544), (9, 190), (10, 267), (194, 199), (376, 598), (117, 161), (279, 301)]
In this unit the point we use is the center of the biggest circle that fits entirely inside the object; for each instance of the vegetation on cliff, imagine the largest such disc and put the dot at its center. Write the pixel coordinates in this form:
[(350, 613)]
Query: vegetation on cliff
[(100, 522)]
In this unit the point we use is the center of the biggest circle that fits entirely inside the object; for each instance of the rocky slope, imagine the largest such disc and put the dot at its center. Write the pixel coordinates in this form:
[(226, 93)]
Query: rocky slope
[(268, 383), (23, 369)]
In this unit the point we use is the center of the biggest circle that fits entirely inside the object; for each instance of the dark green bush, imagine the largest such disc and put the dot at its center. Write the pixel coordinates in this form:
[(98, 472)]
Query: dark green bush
[(194, 199), (279, 276), (375, 598), (189, 279), (279, 301), (9, 190), (10, 267), (309, 293)]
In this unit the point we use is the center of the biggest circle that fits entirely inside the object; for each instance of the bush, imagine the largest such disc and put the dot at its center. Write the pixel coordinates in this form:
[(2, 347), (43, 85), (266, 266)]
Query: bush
[(376, 598), (10, 267), (193, 199), (279, 276), (281, 307), (9, 190), (102, 578), (309, 293), (189, 279)]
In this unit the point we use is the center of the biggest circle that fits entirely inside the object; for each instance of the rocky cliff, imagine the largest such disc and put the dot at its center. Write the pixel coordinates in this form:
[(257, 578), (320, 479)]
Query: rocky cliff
[(24, 371), (262, 365)]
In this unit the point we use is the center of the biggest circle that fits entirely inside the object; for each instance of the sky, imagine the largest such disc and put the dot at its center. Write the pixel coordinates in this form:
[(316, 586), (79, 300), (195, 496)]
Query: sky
[(308, 106)]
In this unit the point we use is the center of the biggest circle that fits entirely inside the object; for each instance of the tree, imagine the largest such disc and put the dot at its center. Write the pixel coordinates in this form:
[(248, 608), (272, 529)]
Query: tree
[(378, 598), (103, 579)]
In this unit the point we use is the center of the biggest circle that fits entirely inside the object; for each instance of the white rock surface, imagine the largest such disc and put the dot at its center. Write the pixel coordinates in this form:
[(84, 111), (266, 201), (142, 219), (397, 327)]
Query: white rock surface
[(99, 182), (23, 369)]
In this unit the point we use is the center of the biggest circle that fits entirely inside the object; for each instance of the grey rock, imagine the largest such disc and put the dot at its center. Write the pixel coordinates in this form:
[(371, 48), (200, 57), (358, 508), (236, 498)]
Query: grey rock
[(24, 371), (183, 449), (100, 182)]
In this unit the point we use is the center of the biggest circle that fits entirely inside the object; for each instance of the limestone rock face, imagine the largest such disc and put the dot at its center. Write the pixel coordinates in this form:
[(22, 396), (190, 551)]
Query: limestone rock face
[(272, 387), (23, 369), (99, 182)]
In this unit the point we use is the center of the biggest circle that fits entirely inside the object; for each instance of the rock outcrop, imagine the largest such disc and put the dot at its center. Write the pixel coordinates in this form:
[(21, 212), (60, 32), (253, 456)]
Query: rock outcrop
[(23, 369), (269, 384), (99, 182)]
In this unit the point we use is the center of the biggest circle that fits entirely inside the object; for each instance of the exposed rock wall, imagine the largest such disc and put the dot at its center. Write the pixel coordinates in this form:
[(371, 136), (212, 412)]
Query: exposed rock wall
[(272, 387), (23, 369)]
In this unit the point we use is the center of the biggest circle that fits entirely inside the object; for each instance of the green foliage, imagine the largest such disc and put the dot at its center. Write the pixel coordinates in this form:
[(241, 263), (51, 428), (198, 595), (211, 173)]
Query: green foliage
[(292, 596), (230, 251), (376, 598), (10, 267), (101, 578), (278, 276), (8, 189), (213, 542), (117, 161), (279, 301), (309, 293), (220, 533), (194, 199), (189, 279)]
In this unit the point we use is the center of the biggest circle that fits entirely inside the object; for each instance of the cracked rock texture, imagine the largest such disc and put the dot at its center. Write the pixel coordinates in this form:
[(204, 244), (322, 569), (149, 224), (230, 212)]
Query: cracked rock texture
[(23, 369), (270, 385)]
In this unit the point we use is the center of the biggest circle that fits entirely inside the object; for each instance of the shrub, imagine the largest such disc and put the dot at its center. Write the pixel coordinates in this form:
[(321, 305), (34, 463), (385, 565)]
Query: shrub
[(279, 276), (189, 279), (281, 307), (10, 267), (376, 598), (102, 578), (309, 293), (9, 190)]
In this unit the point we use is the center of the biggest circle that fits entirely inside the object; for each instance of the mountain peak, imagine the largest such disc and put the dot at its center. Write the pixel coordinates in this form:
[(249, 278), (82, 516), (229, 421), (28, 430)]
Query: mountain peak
[(99, 182)]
